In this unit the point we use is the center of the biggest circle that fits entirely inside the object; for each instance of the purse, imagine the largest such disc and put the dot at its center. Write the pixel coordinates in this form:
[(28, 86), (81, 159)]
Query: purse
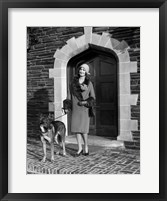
[(67, 104)]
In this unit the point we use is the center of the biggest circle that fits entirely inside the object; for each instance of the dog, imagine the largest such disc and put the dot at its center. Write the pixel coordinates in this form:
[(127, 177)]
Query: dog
[(52, 131)]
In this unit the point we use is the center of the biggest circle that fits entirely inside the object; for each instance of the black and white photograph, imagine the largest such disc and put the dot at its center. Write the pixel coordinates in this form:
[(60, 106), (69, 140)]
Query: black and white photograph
[(83, 100)]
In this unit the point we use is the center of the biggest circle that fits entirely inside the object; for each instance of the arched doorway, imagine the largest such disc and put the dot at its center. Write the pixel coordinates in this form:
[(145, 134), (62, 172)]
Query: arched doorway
[(107, 46), (103, 69)]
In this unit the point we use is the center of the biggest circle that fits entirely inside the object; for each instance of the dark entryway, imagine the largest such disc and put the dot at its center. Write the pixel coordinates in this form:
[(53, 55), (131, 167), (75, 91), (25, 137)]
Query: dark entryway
[(103, 70)]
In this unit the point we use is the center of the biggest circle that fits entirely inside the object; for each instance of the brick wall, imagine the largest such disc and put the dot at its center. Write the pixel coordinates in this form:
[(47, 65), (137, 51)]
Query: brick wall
[(42, 44)]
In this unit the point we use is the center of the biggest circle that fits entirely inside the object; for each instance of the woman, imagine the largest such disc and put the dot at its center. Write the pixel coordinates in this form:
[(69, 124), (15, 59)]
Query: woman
[(82, 96)]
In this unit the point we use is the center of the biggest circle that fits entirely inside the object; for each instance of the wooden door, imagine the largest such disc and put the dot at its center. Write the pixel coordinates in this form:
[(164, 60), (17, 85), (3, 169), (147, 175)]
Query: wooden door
[(105, 83), (103, 70)]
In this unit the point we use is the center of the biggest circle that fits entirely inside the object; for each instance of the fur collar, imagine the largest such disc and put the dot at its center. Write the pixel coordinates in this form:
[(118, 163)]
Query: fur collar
[(77, 89)]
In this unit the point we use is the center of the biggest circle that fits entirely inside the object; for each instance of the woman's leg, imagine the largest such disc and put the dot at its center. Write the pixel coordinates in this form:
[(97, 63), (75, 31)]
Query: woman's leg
[(85, 138), (79, 141)]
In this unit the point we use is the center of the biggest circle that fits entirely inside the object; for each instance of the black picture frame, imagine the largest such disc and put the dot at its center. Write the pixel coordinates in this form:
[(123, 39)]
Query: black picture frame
[(4, 5)]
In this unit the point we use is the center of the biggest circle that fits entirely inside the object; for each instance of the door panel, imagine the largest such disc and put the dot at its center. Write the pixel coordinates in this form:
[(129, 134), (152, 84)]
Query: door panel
[(91, 63), (107, 92), (106, 96), (106, 68), (107, 118)]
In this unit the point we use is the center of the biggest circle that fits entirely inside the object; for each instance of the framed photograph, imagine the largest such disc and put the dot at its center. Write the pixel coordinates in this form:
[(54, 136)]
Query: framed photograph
[(83, 100)]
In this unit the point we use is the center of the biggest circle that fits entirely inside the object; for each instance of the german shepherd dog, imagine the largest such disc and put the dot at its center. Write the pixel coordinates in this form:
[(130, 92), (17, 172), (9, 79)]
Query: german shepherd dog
[(52, 131)]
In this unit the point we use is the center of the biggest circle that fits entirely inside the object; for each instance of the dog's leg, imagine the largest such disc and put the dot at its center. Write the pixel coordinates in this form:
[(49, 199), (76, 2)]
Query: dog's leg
[(56, 140), (63, 144), (52, 151), (63, 140), (44, 148), (64, 148)]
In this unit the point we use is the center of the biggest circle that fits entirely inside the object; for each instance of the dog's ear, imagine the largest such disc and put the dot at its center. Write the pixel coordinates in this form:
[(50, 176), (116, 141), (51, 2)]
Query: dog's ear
[(41, 116), (51, 116)]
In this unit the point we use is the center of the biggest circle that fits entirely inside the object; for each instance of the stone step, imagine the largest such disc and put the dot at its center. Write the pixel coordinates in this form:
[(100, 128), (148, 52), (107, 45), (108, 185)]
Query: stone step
[(97, 141)]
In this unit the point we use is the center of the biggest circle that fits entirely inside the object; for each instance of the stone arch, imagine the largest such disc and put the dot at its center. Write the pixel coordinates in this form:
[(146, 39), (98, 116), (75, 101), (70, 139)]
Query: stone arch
[(73, 47)]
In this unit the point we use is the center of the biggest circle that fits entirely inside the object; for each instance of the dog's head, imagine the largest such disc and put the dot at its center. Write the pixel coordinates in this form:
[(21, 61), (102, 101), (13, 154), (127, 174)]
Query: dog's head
[(45, 122)]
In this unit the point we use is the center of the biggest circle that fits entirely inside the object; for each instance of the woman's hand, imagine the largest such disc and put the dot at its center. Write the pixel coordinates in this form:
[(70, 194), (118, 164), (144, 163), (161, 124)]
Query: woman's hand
[(84, 87), (82, 103), (66, 111)]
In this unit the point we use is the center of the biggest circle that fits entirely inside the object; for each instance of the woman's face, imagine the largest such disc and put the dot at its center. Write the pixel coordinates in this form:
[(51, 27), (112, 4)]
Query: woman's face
[(82, 72)]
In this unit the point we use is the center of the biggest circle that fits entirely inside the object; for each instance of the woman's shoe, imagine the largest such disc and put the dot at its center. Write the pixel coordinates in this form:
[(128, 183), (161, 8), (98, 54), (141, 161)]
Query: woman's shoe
[(78, 154), (86, 154)]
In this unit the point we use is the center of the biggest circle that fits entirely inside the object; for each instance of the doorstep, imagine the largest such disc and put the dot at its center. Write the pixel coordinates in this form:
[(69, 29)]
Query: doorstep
[(97, 141)]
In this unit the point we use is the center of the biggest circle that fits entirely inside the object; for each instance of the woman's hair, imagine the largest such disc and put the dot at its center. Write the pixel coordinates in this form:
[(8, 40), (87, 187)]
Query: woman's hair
[(87, 77), (86, 74), (85, 66)]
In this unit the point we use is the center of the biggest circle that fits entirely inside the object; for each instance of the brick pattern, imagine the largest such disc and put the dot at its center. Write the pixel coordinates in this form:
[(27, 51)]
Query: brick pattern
[(104, 161), (46, 40), (43, 43), (132, 38)]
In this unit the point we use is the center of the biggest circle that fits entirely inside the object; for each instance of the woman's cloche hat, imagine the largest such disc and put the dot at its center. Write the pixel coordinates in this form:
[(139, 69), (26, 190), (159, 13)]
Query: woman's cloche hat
[(86, 67)]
